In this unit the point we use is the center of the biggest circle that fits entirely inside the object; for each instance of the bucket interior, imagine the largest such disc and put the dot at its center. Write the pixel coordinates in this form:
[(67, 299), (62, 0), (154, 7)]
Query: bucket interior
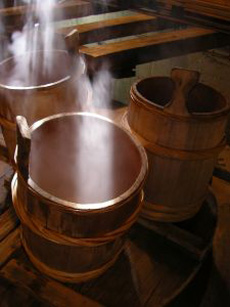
[(157, 90), (83, 159), (33, 69), (201, 99), (204, 99)]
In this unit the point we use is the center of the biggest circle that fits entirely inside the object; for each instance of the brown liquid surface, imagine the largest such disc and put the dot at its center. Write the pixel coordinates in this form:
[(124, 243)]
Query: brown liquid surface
[(83, 159), (14, 71)]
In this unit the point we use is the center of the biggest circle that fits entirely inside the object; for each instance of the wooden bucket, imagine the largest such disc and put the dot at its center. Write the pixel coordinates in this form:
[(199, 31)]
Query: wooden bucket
[(80, 197), (35, 98), (181, 124)]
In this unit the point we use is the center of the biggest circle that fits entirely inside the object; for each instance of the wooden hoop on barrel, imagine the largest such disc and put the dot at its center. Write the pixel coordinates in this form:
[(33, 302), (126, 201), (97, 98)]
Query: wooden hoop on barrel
[(28, 225), (79, 220)]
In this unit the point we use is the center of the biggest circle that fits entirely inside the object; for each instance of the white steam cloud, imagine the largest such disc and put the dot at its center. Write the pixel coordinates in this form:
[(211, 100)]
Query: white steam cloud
[(38, 34)]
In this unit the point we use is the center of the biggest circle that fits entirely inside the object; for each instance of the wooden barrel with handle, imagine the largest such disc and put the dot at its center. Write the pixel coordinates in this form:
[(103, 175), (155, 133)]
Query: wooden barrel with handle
[(181, 123)]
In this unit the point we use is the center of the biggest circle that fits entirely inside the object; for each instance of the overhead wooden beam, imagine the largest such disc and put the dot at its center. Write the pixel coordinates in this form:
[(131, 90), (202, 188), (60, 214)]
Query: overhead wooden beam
[(154, 47)]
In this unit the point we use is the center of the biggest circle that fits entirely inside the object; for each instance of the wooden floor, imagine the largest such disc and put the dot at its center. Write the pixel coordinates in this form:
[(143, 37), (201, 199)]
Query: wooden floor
[(218, 291)]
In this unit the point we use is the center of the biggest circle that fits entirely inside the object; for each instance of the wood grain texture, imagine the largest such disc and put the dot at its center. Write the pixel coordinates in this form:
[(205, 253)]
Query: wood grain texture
[(9, 245), (14, 16), (16, 294), (116, 28), (64, 258), (150, 272), (179, 166), (43, 102), (8, 221), (48, 290), (161, 38), (153, 47), (146, 272), (146, 116)]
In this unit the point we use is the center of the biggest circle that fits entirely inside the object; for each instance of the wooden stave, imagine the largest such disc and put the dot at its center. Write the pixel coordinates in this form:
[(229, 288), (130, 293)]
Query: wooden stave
[(76, 223), (170, 189), (154, 209), (64, 276), (147, 120), (15, 102), (87, 262)]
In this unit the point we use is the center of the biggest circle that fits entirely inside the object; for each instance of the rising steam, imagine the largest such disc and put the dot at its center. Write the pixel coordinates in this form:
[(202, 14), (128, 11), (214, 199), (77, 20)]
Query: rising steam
[(37, 34)]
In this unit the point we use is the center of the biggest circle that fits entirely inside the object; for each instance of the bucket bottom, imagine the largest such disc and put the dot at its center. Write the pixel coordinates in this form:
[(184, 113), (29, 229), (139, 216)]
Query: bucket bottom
[(160, 213)]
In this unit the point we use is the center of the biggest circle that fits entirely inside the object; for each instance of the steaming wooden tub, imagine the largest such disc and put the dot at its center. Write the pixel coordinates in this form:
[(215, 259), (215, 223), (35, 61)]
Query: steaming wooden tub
[(181, 124), (34, 99), (69, 206)]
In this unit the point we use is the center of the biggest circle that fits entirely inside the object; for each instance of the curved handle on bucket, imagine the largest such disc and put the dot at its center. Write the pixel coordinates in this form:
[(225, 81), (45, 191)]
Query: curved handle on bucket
[(184, 81), (23, 148)]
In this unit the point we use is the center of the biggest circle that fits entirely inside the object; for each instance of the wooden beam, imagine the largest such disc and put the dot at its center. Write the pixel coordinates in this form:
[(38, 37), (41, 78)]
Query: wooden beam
[(117, 27), (48, 290), (14, 17), (75, 8), (203, 13), (154, 47)]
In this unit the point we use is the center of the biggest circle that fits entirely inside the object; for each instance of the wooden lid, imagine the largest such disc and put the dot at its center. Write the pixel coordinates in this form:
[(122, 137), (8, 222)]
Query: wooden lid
[(84, 161)]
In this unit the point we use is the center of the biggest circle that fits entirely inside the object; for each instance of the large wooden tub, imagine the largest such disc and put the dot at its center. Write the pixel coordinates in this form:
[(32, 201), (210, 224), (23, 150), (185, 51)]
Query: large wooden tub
[(82, 192)]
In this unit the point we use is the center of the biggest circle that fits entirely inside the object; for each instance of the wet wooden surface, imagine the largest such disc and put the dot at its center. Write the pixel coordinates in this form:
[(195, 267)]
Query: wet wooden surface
[(153, 270)]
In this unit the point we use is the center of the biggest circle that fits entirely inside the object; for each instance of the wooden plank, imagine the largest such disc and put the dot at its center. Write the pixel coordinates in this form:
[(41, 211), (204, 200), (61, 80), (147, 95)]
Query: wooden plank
[(193, 245), (149, 268), (75, 7), (141, 42), (18, 295), (192, 236), (14, 17), (154, 47), (222, 12), (9, 245), (174, 10), (123, 20), (48, 290), (8, 222), (116, 27)]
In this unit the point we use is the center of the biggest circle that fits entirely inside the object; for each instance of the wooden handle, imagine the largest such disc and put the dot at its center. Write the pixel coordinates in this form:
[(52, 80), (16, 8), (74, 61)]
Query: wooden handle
[(24, 144), (72, 41), (184, 81)]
